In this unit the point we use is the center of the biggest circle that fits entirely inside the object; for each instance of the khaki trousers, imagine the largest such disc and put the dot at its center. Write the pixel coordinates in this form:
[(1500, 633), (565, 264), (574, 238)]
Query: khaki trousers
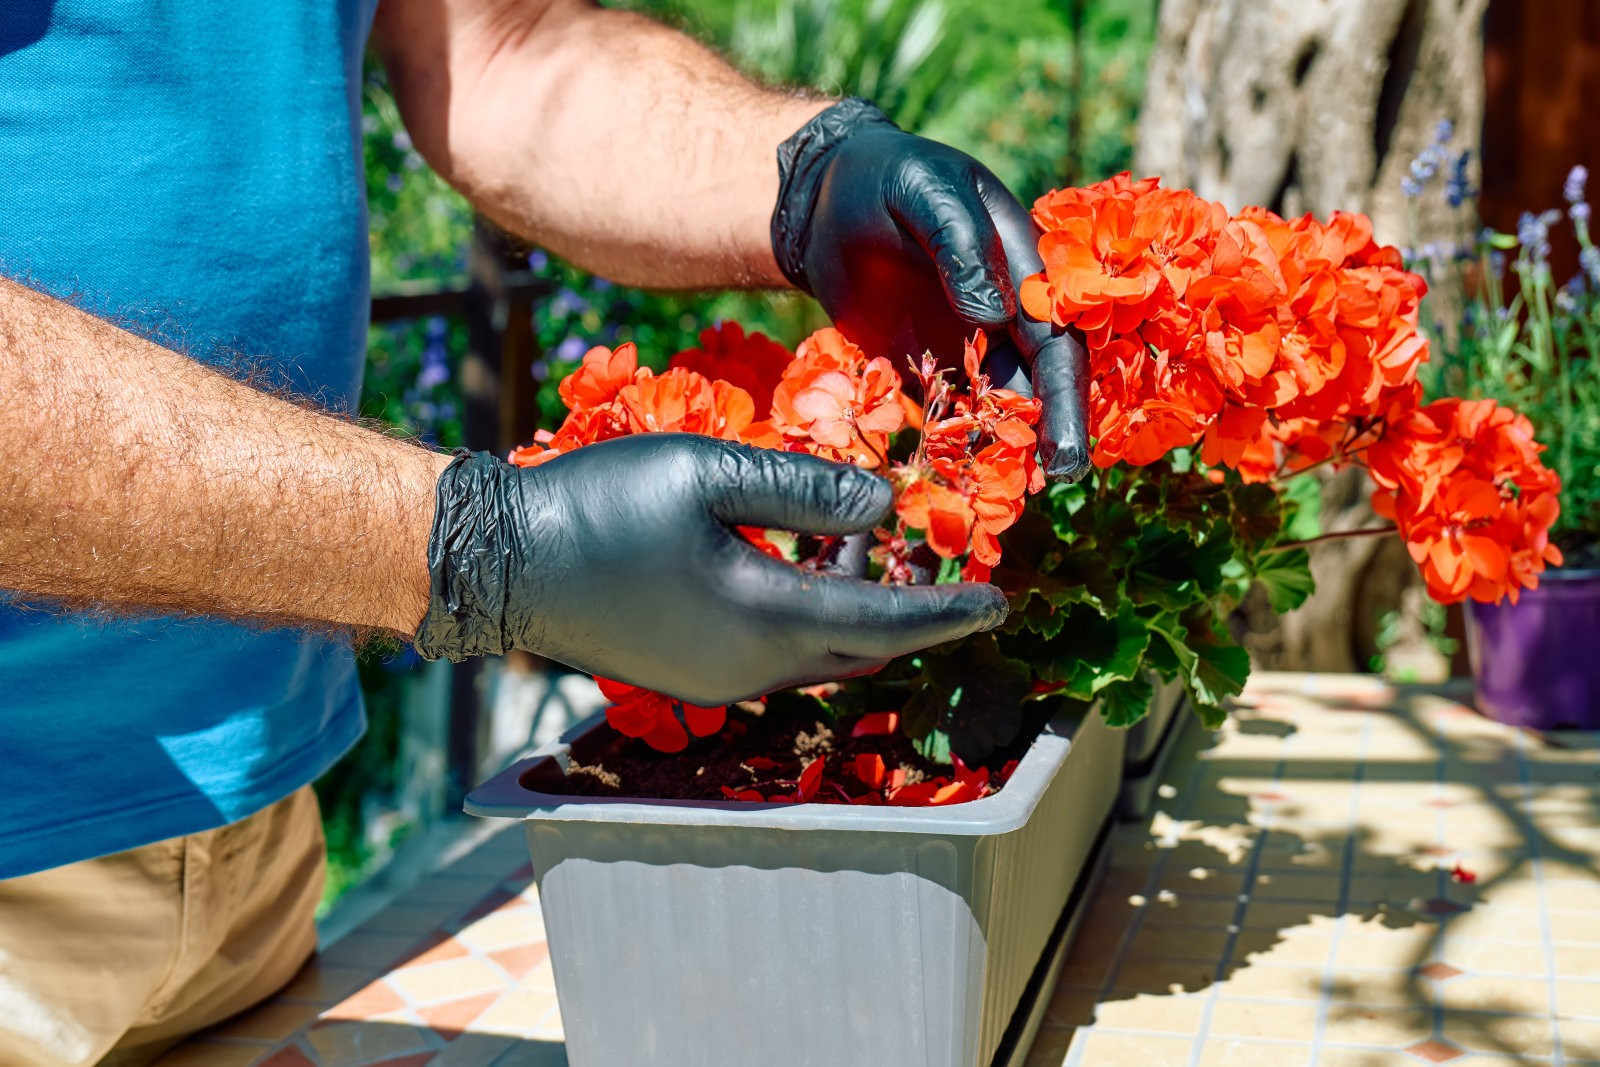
[(115, 959)]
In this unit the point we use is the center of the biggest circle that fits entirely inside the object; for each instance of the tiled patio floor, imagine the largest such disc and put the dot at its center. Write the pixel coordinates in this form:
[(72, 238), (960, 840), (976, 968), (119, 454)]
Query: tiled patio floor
[(1291, 901)]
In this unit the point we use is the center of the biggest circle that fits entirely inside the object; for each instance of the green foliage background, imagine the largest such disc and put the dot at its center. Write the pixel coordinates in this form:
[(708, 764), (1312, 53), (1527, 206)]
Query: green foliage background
[(1045, 92)]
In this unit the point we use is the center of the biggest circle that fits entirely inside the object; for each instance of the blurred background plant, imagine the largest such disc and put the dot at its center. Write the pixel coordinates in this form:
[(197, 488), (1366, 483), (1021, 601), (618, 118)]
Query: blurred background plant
[(1504, 327), (1046, 92)]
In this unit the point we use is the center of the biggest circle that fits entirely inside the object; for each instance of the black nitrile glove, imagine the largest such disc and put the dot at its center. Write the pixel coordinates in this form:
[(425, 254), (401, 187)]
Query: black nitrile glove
[(908, 245), (620, 559)]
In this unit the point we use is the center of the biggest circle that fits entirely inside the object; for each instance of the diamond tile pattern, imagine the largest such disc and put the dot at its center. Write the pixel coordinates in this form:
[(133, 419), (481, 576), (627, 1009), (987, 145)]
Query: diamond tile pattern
[(1289, 901)]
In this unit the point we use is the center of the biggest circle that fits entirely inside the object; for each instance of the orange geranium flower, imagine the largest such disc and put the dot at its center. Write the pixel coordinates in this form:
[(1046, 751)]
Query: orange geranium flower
[(754, 362), (1463, 481), (835, 402)]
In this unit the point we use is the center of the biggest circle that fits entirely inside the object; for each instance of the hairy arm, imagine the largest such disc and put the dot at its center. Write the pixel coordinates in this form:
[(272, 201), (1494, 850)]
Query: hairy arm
[(612, 140), (134, 477)]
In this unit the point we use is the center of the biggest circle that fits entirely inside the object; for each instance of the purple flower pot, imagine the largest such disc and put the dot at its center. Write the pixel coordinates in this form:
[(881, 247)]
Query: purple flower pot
[(1535, 662)]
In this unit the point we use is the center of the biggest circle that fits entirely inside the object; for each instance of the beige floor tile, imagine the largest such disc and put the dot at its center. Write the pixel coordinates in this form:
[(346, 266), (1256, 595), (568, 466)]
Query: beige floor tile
[(1471, 992), (1260, 980), (542, 979), (472, 1050), (1268, 914), (1202, 881), (1351, 1057), (1577, 961), (1295, 885), (1395, 889), (1163, 976), (1071, 1007), (1189, 910), (1163, 1013), (322, 983), (1310, 945), (516, 1014), (449, 980), (1494, 922), (1350, 1024), (1571, 895), (1178, 943), (373, 952), (1505, 957), (1579, 1040), (518, 925), (1575, 927), (1259, 1018), (1231, 1052), (1132, 1050), (1372, 944), (1376, 989), (1527, 1035), (1578, 999), (1049, 1048)]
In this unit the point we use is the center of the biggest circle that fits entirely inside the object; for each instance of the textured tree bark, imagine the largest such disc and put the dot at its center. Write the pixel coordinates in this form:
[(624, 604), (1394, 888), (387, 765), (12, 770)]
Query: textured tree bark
[(1318, 105)]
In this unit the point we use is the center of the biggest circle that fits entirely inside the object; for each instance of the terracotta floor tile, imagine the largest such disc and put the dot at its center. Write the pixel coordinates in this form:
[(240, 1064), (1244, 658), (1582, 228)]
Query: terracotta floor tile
[(1435, 1051), (288, 1057), (347, 1044), (415, 1059), (435, 947), (452, 1017), (274, 1020), (1528, 1035), (371, 1000), (1255, 1018), (1232, 1052), (504, 929), (1161, 1013), (521, 959), (1391, 1027)]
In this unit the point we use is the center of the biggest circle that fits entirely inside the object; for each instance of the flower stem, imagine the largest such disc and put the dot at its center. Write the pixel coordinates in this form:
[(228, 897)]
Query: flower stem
[(1366, 531)]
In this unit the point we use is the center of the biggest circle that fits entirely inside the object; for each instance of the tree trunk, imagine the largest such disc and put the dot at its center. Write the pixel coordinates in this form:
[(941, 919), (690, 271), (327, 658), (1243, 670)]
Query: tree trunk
[(1319, 105)]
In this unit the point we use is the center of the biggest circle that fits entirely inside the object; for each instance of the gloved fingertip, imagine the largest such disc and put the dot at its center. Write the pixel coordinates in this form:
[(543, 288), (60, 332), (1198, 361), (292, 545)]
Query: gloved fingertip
[(986, 304), (1066, 463)]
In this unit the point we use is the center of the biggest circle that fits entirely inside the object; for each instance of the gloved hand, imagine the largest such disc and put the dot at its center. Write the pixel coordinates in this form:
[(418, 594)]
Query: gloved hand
[(908, 245), (620, 559)]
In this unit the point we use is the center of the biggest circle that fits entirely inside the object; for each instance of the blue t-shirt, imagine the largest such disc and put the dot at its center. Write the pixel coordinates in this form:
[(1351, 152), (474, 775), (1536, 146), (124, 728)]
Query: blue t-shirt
[(191, 171)]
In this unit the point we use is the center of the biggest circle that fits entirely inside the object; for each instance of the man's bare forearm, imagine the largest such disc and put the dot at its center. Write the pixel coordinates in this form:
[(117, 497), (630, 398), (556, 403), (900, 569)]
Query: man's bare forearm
[(135, 478), (606, 137)]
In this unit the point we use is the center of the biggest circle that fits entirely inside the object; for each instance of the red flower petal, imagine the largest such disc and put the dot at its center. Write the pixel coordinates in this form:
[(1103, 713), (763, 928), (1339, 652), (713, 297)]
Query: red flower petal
[(876, 724), (810, 780), (870, 769), (703, 722)]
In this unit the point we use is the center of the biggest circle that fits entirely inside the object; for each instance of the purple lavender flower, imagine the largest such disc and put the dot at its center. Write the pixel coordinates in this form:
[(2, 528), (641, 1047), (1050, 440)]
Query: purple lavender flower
[(1579, 212), (600, 285), (1589, 258), (538, 260), (571, 349), (1572, 189), (1444, 131), (568, 302), (1457, 188)]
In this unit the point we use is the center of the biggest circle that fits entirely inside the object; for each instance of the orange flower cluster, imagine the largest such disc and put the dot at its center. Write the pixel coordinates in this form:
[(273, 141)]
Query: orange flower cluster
[(974, 467), (1249, 332), (1276, 345), (1463, 481), (965, 484)]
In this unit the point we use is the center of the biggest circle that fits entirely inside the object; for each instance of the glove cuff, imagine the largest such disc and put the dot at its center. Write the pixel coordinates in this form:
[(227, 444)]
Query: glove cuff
[(466, 562), (802, 163)]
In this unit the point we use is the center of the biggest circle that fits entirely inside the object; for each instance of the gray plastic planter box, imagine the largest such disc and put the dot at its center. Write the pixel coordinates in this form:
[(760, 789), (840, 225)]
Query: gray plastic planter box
[(707, 934)]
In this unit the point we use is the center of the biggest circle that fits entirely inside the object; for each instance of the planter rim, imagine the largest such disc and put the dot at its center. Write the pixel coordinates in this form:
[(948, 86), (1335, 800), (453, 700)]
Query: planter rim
[(1564, 574), (504, 797)]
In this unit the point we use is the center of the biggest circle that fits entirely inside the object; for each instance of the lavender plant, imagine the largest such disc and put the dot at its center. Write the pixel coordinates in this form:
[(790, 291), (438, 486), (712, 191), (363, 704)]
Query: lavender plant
[(1519, 337)]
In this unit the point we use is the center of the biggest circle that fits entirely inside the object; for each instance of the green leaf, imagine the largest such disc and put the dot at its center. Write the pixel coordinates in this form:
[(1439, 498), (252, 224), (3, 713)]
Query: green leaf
[(1127, 702), (935, 746), (1220, 672), (1286, 576), (1303, 506), (1096, 652), (949, 572)]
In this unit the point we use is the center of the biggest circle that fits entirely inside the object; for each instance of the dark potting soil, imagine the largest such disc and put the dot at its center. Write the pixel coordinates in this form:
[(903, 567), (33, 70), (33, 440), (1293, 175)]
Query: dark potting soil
[(765, 751)]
